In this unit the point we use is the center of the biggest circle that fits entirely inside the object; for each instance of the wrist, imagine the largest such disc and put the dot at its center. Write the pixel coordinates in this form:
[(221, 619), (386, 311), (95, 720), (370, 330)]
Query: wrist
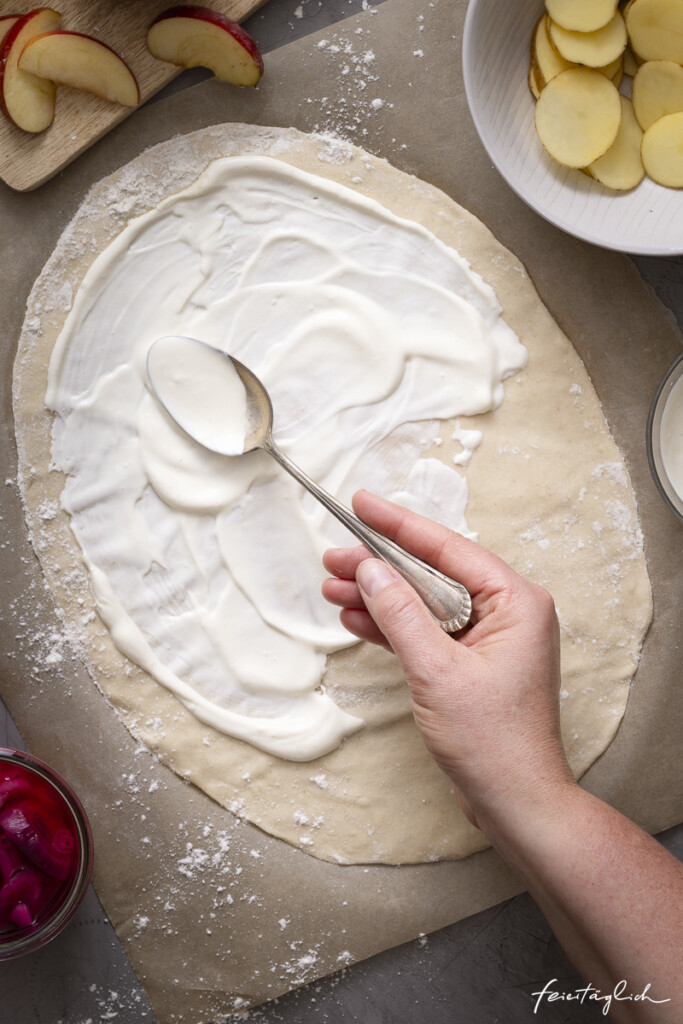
[(512, 817)]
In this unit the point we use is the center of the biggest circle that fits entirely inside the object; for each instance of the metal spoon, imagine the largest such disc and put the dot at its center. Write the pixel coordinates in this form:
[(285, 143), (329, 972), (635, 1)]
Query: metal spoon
[(448, 601)]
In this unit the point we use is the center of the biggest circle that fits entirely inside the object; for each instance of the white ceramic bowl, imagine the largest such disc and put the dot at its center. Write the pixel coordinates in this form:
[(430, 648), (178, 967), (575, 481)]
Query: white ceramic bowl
[(648, 220)]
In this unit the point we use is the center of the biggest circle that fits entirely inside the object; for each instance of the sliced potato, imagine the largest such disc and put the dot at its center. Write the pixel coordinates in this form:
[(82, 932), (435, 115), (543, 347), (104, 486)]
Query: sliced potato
[(655, 29), (581, 15), (577, 116), (613, 68), (549, 62), (617, 77), (662, 150), (547, 58), (631, 64), (621, 167), (594, 49), (577, 121), (657, 90)]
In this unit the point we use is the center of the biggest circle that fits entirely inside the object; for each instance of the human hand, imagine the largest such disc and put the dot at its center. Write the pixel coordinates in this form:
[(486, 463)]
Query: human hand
[(486, 703)]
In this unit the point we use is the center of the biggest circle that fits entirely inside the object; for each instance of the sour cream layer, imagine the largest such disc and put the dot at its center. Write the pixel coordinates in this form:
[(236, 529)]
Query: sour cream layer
[(366, 330)]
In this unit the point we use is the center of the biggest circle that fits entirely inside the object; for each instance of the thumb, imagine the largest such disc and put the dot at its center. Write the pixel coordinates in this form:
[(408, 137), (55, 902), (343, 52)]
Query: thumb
[(397, 610)]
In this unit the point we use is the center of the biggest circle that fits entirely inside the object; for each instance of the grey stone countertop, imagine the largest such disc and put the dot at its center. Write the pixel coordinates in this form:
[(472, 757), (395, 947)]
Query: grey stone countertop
[(481, 970)]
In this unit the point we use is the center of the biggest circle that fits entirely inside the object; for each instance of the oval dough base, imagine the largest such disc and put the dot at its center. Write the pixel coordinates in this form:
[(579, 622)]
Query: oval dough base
[(549, 492)]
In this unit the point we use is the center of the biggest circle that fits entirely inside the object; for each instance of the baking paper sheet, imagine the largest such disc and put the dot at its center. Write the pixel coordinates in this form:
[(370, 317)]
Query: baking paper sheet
[(167, 857)]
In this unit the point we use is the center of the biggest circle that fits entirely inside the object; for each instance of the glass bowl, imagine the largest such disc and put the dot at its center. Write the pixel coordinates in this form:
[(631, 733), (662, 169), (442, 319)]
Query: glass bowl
[(46, 853), (659, 428)]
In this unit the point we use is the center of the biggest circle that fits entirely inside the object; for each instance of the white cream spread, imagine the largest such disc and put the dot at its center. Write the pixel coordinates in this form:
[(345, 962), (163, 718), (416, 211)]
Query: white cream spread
[(364, 328), (671, 437)]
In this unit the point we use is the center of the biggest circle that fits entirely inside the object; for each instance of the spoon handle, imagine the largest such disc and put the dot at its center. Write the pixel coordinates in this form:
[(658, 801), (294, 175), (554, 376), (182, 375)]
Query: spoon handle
[(448, 601)]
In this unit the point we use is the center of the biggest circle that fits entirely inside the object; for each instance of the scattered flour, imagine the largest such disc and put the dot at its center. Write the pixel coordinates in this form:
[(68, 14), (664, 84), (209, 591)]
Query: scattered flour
[(359, 97)]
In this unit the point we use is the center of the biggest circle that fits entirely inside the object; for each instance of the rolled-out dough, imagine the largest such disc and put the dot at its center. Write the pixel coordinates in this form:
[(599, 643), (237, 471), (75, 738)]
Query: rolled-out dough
[(548, 489)]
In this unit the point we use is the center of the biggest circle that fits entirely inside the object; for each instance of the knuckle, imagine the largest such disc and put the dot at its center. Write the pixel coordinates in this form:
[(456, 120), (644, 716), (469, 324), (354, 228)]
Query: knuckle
[(398, 606), (545, 601)]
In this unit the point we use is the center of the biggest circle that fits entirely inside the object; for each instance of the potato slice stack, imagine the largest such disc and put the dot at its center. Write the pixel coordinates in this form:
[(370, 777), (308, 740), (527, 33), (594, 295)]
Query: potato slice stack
[(580, 52)]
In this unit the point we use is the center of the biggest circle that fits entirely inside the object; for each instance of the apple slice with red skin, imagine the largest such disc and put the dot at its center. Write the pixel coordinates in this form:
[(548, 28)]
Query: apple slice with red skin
[(78, 60), (6, 22), (193, 36), (27, 100)]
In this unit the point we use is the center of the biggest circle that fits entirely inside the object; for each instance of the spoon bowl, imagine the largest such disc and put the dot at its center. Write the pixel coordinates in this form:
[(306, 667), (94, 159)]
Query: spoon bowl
[(221, 404), (259, 432)]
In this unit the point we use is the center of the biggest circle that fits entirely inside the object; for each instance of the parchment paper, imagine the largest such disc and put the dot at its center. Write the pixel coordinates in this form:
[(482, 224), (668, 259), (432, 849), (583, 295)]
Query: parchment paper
[(167, 858)]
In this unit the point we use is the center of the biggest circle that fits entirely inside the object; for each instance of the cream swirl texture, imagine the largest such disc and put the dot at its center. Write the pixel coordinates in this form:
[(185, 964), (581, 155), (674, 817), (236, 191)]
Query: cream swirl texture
[(365, 329)]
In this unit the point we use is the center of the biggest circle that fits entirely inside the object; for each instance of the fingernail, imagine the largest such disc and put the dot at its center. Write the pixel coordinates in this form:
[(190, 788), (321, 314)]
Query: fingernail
[(373, 576)]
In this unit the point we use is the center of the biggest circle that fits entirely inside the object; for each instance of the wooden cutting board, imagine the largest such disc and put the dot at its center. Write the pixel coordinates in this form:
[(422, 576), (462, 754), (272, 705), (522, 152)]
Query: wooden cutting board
[(27, 160)]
